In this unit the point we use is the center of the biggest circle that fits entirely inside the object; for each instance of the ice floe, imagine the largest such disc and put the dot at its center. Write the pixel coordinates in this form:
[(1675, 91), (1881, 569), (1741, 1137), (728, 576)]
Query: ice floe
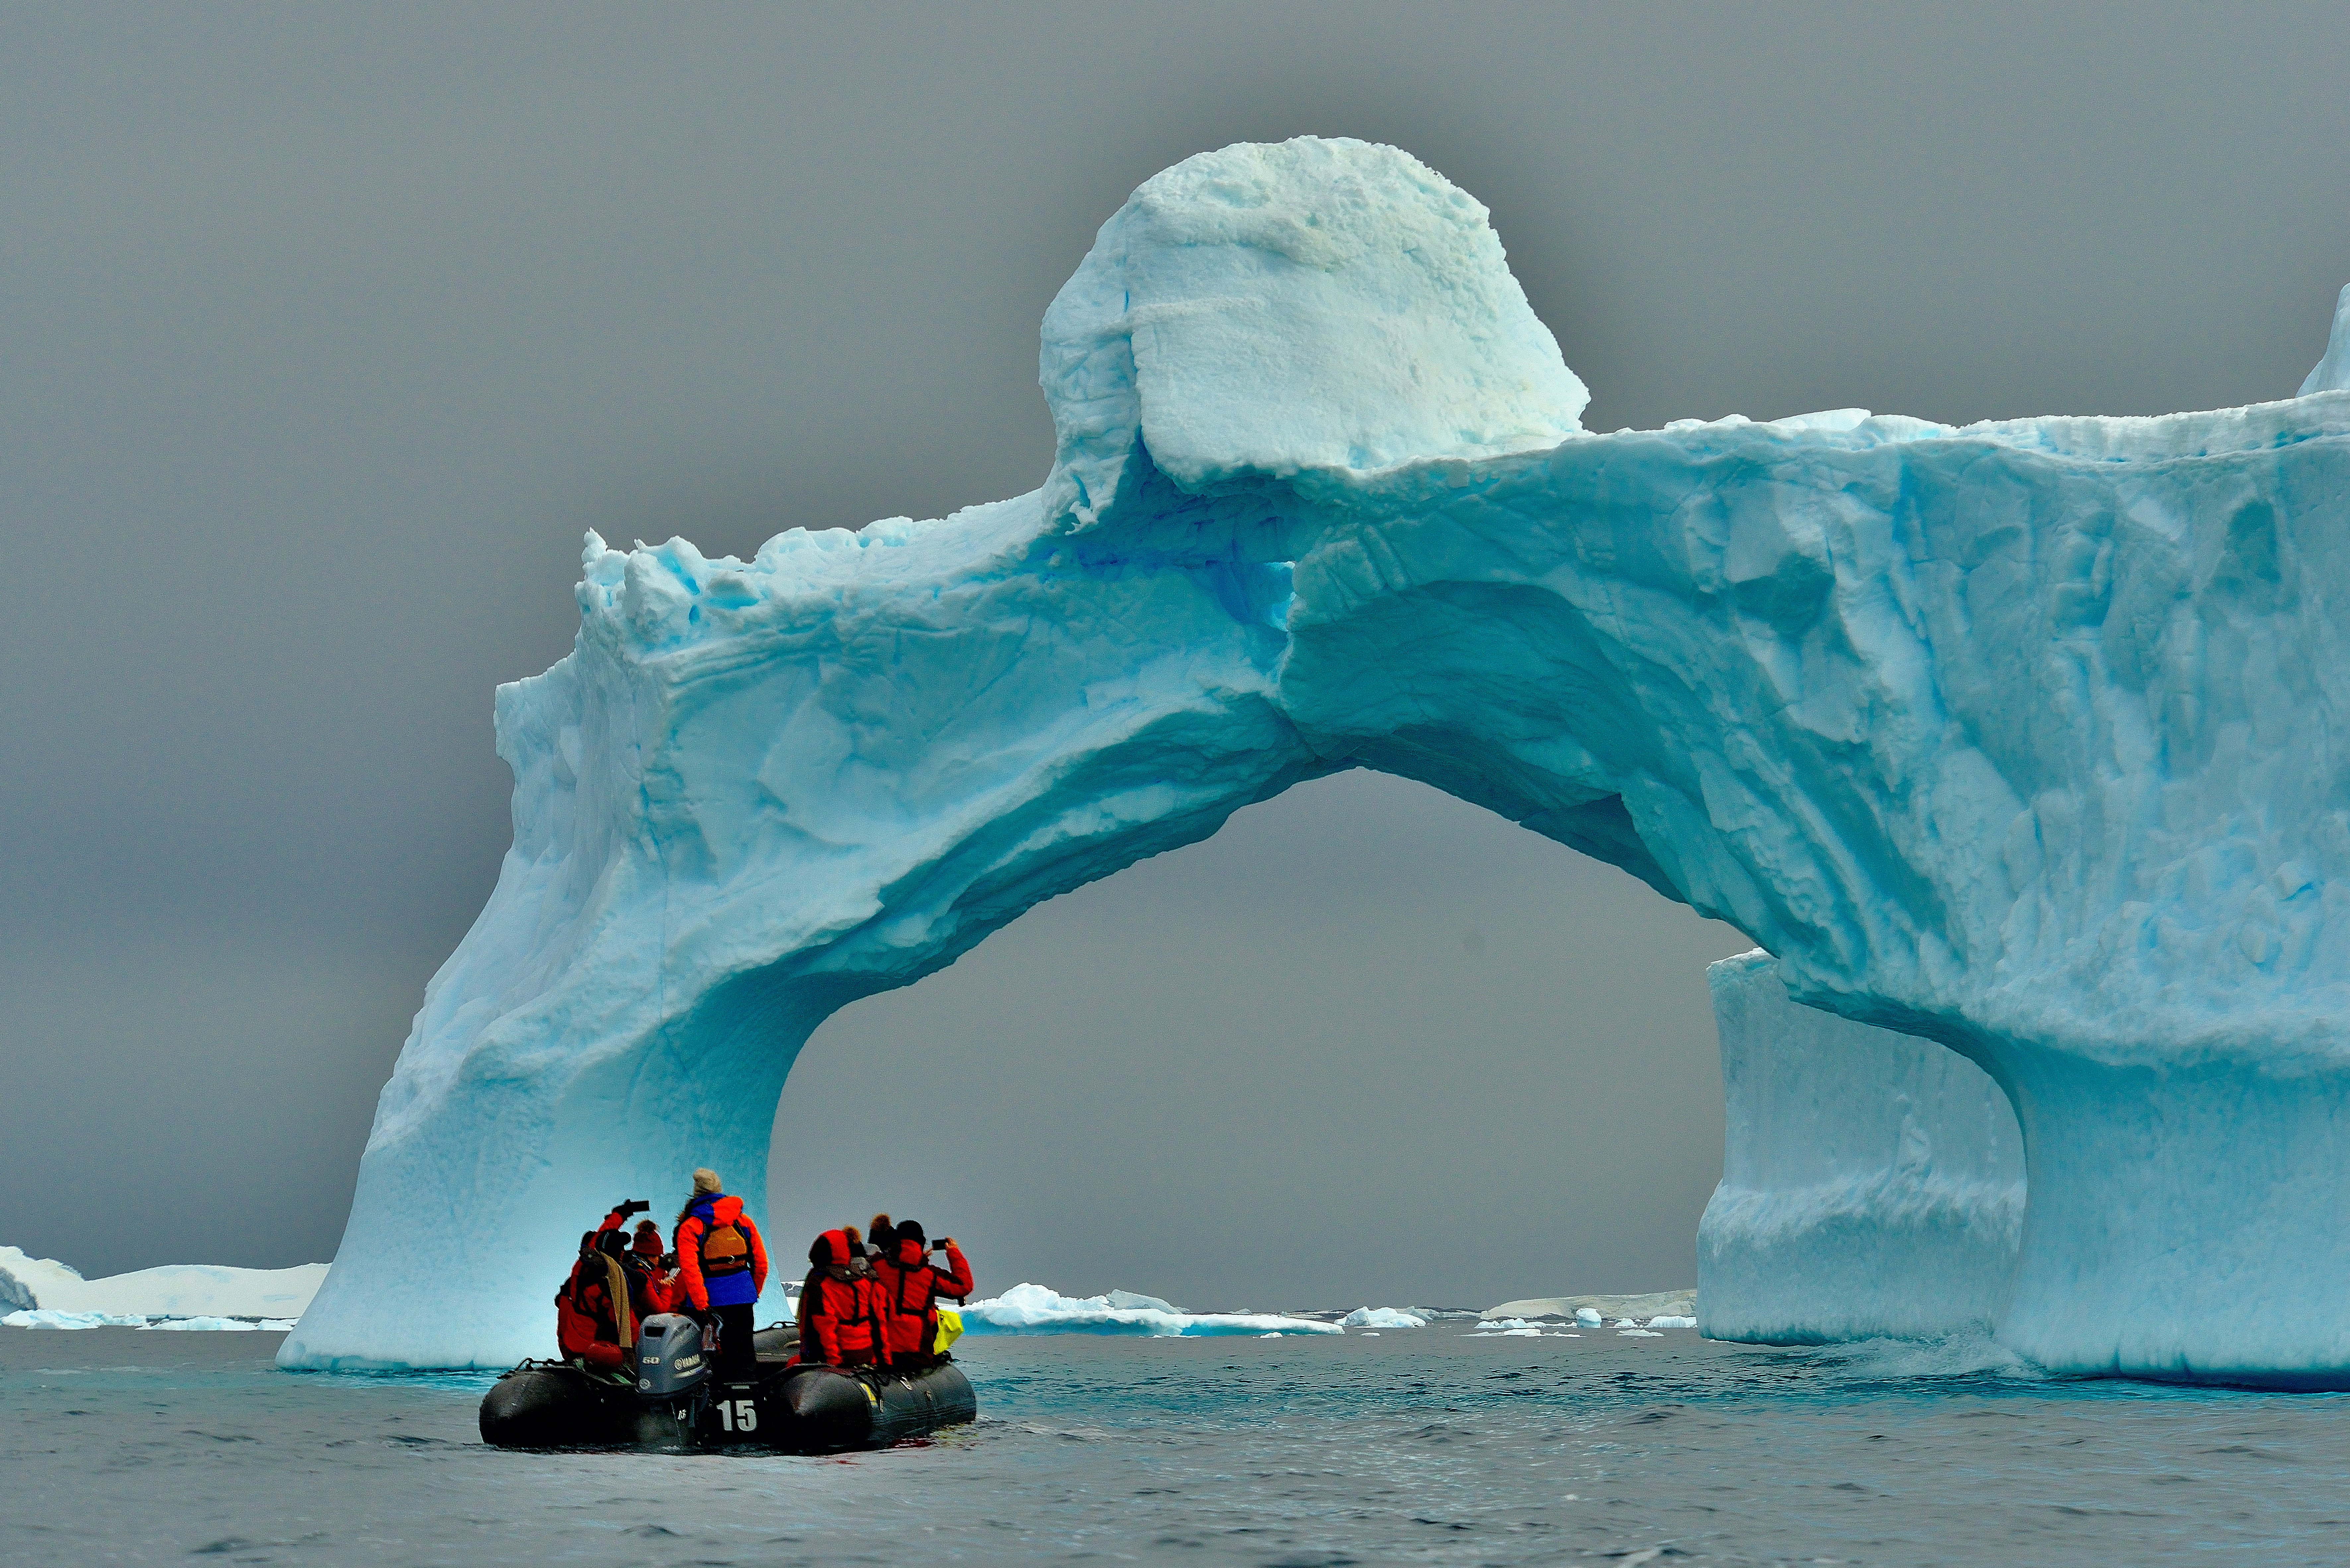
[(1382, 1317), (1037, 1309)]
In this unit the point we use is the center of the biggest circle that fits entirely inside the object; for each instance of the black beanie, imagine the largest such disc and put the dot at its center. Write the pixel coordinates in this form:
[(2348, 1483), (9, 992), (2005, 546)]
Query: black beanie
[(911, 1230)]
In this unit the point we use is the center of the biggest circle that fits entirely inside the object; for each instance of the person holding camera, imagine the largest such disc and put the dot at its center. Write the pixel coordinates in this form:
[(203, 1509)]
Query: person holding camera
[(910, 1287), (655, 1266), (721, 1264), (596, 1310)]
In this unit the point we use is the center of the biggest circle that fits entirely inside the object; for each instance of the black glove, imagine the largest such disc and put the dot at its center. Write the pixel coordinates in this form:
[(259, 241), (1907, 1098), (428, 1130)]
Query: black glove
[(635, 1206)]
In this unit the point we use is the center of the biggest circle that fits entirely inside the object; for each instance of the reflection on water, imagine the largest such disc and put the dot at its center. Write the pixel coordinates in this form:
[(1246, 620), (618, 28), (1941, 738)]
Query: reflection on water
[(1414, 1446)]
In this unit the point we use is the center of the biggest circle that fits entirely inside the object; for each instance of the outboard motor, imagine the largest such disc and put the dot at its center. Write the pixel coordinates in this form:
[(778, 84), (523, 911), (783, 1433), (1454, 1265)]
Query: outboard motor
[(670, 1362)]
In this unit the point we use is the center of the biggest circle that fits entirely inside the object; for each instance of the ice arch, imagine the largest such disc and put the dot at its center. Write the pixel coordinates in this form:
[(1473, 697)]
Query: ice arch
[(2017, 737)]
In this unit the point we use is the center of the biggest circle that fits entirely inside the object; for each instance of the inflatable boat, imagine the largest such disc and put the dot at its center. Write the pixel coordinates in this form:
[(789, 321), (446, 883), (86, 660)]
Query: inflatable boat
[(675, 1404)]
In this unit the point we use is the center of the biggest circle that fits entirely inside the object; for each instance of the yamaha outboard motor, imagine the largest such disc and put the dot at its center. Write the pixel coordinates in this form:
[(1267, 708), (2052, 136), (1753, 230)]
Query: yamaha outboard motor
[(670, 1362), (672, 1377)]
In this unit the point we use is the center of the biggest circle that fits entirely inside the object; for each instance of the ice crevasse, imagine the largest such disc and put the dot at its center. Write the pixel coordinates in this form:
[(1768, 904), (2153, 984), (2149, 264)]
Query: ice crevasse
[(2016, 738)]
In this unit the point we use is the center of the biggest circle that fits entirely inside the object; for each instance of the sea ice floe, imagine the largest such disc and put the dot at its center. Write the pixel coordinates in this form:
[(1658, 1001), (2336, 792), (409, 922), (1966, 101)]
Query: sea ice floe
[(49, 1317), (208, 1324), (1037, 1309), (1382, 1317)]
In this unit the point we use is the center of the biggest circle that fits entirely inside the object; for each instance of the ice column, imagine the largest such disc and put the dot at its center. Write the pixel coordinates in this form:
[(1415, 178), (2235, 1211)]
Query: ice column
[(1872, 1183)]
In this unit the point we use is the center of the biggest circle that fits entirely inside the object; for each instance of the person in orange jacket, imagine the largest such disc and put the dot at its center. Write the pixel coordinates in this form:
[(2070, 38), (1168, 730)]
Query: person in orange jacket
[(721, 1264), (839, 1325), (910, 1285), (596, 1311)]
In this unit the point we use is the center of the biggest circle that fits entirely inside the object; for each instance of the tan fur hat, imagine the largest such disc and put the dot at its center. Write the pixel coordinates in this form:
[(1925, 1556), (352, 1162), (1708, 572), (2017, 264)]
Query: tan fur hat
[(706, 1180)]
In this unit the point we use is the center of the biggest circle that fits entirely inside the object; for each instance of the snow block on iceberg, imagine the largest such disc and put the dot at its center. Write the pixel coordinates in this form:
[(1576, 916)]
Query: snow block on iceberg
[(1872, 1183), (2014, 737)]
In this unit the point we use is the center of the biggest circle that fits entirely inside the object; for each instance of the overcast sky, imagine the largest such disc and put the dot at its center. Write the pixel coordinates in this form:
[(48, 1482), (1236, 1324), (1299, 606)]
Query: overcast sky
[(325, 332)]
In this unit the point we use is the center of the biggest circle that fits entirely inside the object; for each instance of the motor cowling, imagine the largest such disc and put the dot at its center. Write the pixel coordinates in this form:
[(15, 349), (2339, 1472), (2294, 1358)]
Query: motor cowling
[(669, 1357)]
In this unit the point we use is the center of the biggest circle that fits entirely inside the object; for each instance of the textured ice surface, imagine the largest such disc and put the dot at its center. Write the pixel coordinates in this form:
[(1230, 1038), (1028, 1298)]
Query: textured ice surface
[(1034, 1309), (2017, 736), (176, 1291), (1872, 1183)]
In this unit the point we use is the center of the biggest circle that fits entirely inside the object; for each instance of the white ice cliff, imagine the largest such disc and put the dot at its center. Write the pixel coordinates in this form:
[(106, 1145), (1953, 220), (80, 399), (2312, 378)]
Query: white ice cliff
[(1872, 1183), (195, 1291), (2016, 736)]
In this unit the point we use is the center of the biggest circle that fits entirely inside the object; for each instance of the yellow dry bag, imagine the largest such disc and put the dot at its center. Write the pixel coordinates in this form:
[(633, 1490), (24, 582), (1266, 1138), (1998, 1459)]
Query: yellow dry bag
[(949, 1330)]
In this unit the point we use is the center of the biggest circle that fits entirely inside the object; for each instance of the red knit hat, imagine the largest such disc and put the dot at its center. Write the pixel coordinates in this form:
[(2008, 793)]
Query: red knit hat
[(649, 1240)]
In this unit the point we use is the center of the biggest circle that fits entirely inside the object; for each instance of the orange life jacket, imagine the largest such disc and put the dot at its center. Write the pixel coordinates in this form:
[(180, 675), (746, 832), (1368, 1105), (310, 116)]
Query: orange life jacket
[(724, 1251)]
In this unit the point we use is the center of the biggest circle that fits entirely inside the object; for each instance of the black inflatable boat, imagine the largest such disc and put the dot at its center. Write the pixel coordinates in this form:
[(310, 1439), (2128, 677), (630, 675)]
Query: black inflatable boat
[(676, 1404)]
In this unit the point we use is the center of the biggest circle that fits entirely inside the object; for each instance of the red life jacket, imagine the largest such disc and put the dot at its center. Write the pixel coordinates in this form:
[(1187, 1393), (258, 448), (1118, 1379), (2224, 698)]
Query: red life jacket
[(910, 1287), (839, 1316), (587, 1323)]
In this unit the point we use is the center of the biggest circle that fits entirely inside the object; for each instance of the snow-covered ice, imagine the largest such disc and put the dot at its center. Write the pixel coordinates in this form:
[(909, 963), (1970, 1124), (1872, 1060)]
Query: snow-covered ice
[(50, 1317), (1035, 1309), (1382, 1317), (2010, 736), (212, 1325), (1872, 1183), (1594, 1310), (175, 1291)]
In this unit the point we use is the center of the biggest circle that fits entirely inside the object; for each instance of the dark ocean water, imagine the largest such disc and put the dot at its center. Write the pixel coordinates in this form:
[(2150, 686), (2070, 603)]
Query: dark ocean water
[(1413, 1447)]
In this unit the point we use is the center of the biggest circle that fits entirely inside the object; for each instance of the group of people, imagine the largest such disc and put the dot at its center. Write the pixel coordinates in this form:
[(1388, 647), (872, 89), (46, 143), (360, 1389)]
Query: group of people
[(862, 1305)]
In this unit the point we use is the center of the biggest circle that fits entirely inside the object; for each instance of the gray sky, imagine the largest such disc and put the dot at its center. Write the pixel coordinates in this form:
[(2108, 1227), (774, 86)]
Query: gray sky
[(325, 332)]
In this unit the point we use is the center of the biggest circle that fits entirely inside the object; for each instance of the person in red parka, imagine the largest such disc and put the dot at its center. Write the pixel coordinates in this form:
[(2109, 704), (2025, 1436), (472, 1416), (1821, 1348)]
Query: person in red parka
[(596, 1311), (665, 1290), (910, 1285), (839, 1324)]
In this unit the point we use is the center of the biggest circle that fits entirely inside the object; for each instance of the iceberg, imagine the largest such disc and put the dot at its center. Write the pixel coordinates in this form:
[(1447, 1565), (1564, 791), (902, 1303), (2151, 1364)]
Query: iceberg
[(44, 1285), (2012, 737), (1034, 1309), (1382, 1318), (1872, 1182)]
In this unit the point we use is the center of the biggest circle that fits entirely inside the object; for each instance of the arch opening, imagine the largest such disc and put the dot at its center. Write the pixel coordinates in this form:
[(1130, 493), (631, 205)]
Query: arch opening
[(1368, 1039)]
